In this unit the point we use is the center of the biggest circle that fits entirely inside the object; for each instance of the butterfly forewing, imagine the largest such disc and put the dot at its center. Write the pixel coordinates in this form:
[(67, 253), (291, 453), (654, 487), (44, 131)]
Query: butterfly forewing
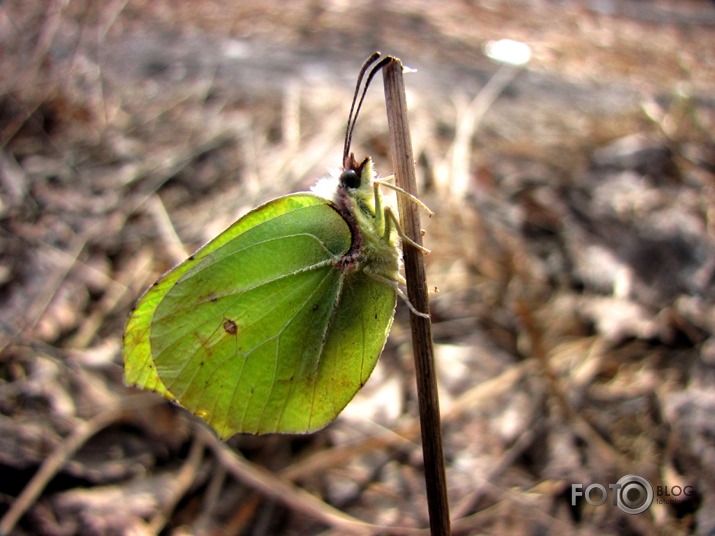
[(259, 331)]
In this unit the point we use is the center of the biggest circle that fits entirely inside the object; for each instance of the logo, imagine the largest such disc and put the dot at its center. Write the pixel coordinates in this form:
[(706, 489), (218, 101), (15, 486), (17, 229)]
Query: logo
[(632, 494)]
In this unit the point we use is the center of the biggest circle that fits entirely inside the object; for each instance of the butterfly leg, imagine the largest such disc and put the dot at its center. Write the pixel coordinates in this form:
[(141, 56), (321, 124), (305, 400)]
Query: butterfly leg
[(391, 219), (412, 308), (416, 200), (394, 284)]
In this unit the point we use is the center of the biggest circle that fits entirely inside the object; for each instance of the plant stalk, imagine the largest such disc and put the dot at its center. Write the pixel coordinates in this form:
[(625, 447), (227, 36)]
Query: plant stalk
[(404, 168)]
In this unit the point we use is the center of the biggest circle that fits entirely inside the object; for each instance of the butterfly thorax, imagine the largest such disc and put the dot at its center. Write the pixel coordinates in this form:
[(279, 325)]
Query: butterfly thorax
[(356, 200)]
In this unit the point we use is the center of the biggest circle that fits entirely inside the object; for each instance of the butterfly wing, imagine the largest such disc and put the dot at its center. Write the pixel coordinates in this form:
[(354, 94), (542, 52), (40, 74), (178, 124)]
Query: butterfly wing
[(259, 331)]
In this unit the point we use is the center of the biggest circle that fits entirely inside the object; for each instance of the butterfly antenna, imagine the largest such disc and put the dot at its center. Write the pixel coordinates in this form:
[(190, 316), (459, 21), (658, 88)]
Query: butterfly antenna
[(351, 124), (354, 111)]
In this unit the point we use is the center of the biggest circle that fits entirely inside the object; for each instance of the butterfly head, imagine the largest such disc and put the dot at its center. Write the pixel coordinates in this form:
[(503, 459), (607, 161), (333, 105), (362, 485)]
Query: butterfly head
[(352, 174), (357, 177)]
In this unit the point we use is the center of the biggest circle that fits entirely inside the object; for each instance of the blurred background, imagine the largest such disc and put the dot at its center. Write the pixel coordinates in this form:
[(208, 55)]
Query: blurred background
[(573, 248)]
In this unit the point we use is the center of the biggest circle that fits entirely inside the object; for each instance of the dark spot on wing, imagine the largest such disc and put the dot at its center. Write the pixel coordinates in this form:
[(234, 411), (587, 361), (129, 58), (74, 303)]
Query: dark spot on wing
[(316, 306), (230, 326)]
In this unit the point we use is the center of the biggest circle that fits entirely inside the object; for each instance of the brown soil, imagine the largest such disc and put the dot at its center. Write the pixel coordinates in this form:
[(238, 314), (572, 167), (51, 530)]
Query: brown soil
[(573, 249)]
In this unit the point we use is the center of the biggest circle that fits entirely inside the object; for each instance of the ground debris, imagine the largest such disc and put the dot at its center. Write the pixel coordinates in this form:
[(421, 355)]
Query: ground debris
[(573, 248)]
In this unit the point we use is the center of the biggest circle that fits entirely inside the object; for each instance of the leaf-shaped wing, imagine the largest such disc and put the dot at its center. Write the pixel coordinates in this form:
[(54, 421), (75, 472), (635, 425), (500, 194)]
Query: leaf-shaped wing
[(259, 331)]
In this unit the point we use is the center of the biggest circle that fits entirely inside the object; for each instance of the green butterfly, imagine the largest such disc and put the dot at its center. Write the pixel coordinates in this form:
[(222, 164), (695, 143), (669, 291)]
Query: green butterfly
[(275, 324)]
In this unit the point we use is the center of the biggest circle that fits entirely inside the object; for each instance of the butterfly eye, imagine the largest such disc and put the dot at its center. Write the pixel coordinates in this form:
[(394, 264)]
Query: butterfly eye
[(350, 179)]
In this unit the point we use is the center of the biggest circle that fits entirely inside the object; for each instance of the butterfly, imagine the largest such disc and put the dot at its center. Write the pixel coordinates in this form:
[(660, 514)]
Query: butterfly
[(274, 325)]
